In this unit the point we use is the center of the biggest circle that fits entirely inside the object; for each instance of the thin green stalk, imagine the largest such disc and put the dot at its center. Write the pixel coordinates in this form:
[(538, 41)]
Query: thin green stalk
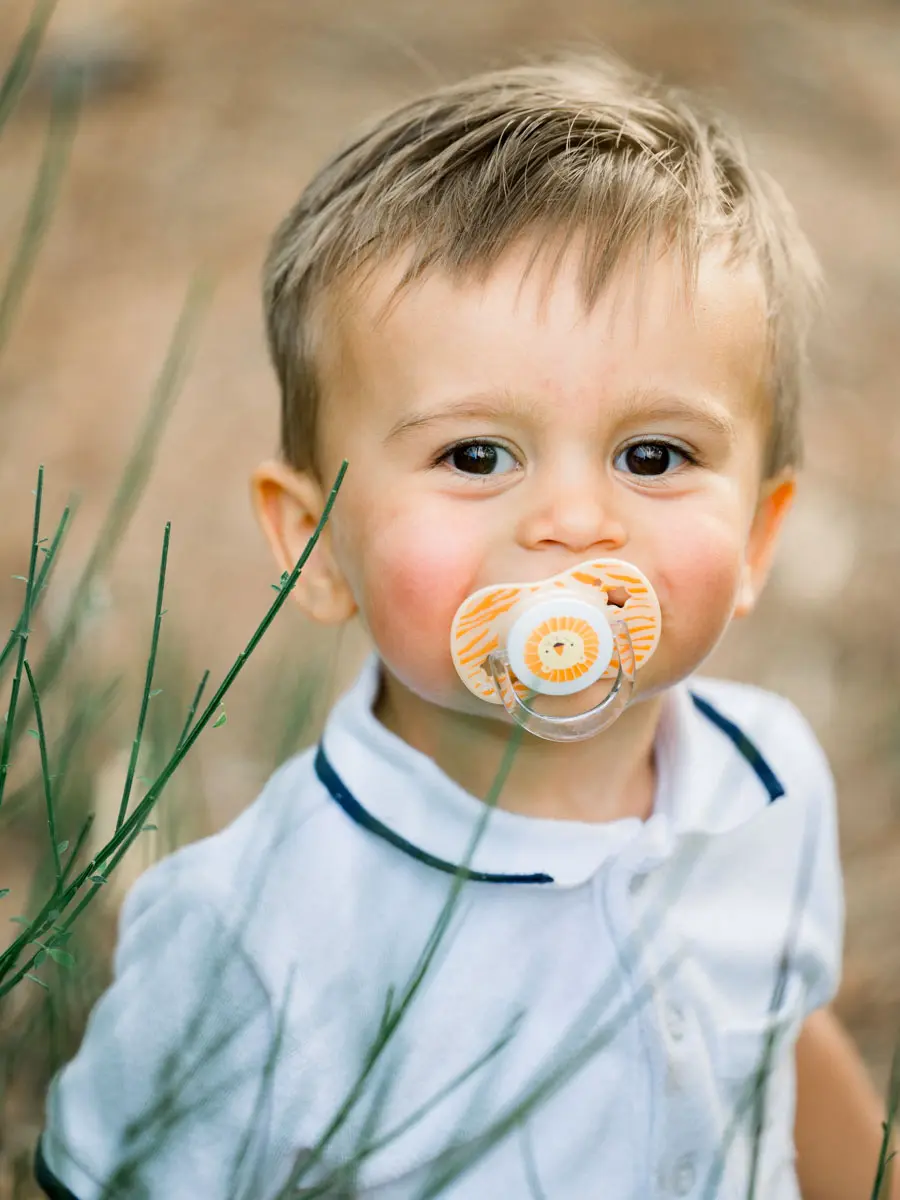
[(754, 1099), (456, 1160), (583, 1039), (60, 135), (121, 840), (23, 60), (148, 679), (264, 1095), (81, 717), (394, 1016), (373, 1147), (195, 703), (133, 480), (49, 558), (887, 1156), (6, 748), (76, 849), (45, 776), (530, 1165)]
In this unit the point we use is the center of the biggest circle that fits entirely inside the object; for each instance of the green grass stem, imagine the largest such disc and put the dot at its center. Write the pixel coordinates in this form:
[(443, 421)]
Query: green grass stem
[(45, 776), (886, 1157), (148, 680), (10, 972), (195, 704), (393, 1014), (50, 554), (76, 849), (23, 634)]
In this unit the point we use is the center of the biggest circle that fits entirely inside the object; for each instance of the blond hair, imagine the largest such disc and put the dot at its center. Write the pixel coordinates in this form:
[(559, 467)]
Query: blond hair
[(580, 146)]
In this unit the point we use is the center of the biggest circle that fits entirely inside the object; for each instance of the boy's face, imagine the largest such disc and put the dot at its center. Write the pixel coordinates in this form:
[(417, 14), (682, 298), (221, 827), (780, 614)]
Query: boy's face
[(497, 432)]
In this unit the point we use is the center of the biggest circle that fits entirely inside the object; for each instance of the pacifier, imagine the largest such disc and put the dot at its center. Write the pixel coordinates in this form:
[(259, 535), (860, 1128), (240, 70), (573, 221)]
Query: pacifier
[(547, 651)]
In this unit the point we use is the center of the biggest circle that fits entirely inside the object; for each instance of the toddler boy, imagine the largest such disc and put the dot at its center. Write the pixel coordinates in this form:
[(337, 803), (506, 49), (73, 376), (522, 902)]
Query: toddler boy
[(550, 314)]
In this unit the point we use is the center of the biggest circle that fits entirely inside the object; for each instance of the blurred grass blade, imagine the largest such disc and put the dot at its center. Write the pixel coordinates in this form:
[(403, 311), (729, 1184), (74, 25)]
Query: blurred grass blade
[(45, 776), (19, 69), (134, 477), (751, 1106), (148, 681), (82, 718), (394, 1015), (60, 135), (24, 631), (40, 585), (370, 1146), (457, 1159)]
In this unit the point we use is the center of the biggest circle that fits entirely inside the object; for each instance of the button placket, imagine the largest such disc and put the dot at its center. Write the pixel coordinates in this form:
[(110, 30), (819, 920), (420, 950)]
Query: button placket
[(675, 1021), (676, 1159), (684, 1175)]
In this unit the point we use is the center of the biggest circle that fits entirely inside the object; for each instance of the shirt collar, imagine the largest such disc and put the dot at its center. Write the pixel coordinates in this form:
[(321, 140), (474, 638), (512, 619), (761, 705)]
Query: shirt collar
[(706, 783)]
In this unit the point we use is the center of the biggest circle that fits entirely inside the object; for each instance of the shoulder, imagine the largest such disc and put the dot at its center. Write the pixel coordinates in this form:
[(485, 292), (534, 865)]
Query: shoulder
[(796, 838), (222, 874), (286, 802), (292, 884), (774, 726)]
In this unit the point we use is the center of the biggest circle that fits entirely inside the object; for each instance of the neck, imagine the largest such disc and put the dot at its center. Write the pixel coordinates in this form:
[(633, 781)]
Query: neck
[(604, 778)]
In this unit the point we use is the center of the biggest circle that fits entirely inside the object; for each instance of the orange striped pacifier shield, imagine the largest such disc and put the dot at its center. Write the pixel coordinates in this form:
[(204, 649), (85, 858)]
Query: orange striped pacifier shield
[(562, 649)]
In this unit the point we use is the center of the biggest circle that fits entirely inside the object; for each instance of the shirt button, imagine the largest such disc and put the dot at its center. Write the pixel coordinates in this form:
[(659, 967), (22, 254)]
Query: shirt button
[(684, 1174), (675, 1022)]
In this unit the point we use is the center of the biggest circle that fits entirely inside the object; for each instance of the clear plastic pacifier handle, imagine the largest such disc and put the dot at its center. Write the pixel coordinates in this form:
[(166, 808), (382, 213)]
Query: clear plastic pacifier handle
[(502, 666)]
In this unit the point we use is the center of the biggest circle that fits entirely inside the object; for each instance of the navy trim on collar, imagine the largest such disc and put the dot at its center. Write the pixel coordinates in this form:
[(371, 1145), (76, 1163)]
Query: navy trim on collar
[(46, 1180), (749, 750), (355, 811), (339, 792)]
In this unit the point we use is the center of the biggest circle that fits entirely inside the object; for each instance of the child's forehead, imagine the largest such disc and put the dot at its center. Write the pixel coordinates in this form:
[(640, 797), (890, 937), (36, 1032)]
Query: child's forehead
[(533, 275), (535, 290)]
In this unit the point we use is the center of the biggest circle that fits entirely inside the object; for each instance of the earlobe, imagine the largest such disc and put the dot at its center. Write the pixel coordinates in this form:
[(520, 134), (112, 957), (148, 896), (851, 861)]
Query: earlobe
[(288, 506), (776, 499)]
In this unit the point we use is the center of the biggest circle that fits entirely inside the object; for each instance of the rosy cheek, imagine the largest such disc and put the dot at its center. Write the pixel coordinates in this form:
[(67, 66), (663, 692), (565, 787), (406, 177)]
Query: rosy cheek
[(417, 573), (696, 579)]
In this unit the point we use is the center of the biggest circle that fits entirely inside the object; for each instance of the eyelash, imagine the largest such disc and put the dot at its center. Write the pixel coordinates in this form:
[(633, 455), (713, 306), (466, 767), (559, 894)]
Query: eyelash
[(691, 459)]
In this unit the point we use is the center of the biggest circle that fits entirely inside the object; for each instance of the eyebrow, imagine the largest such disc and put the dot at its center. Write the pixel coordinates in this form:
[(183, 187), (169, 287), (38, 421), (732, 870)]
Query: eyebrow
[(658, 406), (476, 407), (638, 406)]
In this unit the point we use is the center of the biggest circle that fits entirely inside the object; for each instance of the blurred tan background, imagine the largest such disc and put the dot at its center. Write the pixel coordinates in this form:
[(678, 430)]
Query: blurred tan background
[(201, 123)]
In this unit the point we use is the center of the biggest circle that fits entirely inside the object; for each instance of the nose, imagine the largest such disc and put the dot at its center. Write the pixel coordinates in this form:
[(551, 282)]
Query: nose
[(574, 509)]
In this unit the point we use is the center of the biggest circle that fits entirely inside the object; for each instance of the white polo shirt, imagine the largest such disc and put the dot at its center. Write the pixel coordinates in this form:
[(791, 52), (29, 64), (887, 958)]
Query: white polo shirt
[(627, 976)]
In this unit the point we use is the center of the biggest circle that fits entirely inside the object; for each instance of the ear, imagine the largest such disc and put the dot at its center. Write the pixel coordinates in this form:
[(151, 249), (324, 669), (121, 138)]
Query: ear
[(288, 506), (775, 501)]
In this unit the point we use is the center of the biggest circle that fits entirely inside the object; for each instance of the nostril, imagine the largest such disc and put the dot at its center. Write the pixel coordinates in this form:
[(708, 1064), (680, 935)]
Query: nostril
[(617, 597)]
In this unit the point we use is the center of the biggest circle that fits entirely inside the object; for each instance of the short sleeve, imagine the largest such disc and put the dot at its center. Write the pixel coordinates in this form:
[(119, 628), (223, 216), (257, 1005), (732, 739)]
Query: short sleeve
[(822, 928), (166, 1096)]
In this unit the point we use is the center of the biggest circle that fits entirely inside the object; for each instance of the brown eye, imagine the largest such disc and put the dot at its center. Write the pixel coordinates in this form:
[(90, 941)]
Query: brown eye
[(651, 458), (479, 458)]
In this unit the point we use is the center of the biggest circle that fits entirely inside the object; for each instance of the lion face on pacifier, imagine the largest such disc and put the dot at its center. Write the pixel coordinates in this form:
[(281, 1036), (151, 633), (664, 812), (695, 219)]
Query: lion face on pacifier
[(532, 647)]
